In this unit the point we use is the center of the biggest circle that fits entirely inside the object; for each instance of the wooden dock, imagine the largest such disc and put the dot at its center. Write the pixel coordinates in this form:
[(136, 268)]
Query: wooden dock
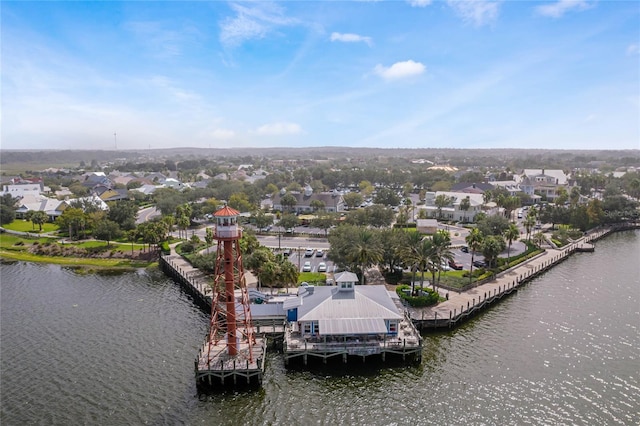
[(216, 370)]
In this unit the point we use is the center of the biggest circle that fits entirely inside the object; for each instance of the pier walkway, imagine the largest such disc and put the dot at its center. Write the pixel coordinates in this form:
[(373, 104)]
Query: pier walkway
[(461, 305)]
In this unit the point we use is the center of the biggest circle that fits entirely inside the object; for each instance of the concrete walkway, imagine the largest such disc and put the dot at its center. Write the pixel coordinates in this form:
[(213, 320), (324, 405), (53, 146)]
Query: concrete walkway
[(463, 302)]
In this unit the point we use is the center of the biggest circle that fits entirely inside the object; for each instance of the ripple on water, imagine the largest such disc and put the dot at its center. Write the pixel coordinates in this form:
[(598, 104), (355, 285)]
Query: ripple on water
[(119, 350)]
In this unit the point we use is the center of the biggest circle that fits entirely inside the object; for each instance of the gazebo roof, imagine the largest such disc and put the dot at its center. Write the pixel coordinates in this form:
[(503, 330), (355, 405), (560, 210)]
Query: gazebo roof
[(226, 211)]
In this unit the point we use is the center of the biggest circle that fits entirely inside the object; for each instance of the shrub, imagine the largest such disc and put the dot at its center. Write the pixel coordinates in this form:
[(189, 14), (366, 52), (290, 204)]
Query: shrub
[(424, 297), (164, 246), (186, 247)]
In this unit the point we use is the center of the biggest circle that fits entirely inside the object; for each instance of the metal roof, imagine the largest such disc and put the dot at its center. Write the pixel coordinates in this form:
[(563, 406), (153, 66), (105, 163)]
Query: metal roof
[(365, 302), (352, 326)]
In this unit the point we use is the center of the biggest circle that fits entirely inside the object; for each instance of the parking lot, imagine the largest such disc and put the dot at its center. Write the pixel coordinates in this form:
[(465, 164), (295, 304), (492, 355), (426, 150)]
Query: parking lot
[(299, 258)]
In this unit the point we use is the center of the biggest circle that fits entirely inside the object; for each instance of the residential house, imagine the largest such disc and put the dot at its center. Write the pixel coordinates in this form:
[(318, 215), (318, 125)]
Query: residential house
[(51, 206), (541, 183), (453, 211), (333, 201)]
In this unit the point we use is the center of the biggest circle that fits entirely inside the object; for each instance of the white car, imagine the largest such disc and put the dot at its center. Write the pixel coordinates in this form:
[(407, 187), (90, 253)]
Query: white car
[(322, 267), (309, 252), (306, 267)]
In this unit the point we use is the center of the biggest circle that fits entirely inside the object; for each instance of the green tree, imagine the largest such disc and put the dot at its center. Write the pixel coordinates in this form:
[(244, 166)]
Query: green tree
[(123, 213), (421, 257), (72, 219), (288, 202), (442, 253), (106, 230), (240, 202), (28, 216), (492, 246), (367, 251), (39, 218), (387, 197), (441, 202), (317, 205), (465, 205), (288, 221), (511, 234), (209, 237), (474, 241), (408, 252), (352, 199), (324, 221)]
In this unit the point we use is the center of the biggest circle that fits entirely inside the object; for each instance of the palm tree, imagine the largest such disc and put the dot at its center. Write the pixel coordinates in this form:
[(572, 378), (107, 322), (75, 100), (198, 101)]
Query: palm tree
[(39, 218), (492, 246), (474, 240), (421, 256), (529, 223), (407, 253), (288, 271), (442, 201), (441, 253), (510, 234), (367, 251), (465, 205)]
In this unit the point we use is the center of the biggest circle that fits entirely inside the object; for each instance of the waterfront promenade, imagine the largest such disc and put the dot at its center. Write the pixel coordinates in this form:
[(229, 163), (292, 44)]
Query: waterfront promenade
[(461, 305), (458, 307)]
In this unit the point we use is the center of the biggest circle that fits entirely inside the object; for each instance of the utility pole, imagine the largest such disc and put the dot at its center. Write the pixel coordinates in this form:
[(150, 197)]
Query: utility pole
[(115, 140)]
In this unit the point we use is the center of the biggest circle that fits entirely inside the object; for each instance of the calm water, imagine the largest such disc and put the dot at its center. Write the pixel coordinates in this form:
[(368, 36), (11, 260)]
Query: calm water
[(119, 350)]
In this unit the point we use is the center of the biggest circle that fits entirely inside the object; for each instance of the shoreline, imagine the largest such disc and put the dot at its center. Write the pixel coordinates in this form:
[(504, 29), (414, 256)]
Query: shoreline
[(460, 307)]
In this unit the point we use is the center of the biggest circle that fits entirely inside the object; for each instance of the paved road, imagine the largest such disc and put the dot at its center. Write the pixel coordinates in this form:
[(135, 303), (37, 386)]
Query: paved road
[(146, 214)]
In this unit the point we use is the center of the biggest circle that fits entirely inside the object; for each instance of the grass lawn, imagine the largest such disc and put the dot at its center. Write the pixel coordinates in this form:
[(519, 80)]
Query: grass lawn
[(27, 226), (15, 247), (311, 277)]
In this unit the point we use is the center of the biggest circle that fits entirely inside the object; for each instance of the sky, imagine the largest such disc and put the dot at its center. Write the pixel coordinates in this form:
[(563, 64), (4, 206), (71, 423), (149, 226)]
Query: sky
[(389, 74)]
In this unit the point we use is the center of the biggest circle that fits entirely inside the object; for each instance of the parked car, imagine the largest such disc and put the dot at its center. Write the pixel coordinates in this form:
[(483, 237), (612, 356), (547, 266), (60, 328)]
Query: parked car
[(287, 252), (455, 265), (306, 267), (309, 252), (322, 267), (479, 264), (464, 249), (319, 253)]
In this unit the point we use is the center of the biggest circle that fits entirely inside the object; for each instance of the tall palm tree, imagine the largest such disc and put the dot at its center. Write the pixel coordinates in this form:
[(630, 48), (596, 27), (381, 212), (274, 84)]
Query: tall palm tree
[(288, 271), (442, 250), (474, 241), (529, 223), (407, 254), (367, 251), (421, 257), (511, 234)]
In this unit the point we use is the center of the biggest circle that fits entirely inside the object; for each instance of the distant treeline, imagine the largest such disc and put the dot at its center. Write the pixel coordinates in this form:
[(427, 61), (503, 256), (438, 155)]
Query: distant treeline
[(461, 158)]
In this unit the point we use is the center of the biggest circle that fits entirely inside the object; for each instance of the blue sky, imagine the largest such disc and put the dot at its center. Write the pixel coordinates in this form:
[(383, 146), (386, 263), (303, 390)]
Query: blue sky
[(416, 74)]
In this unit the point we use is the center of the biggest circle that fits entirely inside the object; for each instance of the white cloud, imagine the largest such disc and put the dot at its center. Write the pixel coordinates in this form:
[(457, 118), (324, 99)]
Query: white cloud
[(350, 38), (556, 10), (419, 3), (633, 49), (399, 70), (477, 12), (280, 128), (252, 22)]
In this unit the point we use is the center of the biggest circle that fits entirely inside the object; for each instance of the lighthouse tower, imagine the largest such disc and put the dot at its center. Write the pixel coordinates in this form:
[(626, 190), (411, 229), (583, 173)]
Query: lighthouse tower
[(231, 349)]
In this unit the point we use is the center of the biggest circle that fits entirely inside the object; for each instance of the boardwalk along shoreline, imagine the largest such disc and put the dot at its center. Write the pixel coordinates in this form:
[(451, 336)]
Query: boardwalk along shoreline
[(448, 314)]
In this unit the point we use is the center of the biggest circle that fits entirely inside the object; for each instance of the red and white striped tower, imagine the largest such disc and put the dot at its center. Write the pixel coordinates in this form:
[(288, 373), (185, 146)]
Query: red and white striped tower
[(230, 329)]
